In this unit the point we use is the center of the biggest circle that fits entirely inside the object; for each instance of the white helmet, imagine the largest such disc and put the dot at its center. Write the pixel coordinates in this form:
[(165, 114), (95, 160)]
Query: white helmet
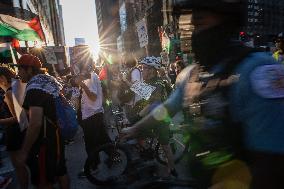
[(151, 61)]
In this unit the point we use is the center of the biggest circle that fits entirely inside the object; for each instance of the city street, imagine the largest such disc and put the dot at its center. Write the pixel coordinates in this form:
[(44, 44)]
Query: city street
[(75, 155), (141, 94)]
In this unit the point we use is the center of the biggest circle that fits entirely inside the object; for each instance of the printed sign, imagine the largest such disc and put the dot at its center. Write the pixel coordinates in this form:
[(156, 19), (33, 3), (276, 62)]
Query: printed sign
[(142, 89), (142, 33), (122, 18), (50, 55)]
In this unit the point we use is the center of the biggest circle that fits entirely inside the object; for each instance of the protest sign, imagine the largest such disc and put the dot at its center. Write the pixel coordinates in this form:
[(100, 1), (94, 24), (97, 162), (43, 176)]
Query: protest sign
[(50, 55), (142, 33), (142, 89)]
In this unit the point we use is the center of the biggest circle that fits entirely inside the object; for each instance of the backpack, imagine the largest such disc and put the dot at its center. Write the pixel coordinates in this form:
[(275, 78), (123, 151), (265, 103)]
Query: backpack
[(125, 94), (66, 117)]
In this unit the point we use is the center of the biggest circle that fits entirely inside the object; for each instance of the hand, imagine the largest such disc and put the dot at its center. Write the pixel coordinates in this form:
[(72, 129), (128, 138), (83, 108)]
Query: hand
[(128, 132), (78, 80)]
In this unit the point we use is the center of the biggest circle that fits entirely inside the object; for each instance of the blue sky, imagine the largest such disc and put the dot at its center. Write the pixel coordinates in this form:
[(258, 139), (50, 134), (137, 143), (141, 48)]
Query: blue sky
[(80, 20)]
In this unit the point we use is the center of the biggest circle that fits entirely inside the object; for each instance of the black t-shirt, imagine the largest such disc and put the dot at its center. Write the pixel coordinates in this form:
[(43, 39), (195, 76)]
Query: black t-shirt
[(39, 98), (36, 97)]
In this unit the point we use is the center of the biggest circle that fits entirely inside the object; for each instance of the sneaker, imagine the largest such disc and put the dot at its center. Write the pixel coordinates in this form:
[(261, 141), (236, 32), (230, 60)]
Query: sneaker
[(82, 174), (5, 181)]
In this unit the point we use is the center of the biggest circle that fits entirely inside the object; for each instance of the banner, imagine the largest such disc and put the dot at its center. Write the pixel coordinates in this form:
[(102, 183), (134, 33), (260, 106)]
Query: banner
[(142, 33)]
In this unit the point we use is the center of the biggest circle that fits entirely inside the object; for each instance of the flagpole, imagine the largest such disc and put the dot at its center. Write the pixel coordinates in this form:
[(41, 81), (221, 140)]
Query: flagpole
[(27, 45), (13, 56)]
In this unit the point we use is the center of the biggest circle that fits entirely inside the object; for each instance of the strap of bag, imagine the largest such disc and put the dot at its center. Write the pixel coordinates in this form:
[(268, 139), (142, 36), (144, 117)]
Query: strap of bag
[(44, 126), (57, 133)]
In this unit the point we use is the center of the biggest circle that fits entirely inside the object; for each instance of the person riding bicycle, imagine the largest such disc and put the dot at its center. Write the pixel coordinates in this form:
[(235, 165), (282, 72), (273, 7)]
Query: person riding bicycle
[(233, 96), (150, 67)]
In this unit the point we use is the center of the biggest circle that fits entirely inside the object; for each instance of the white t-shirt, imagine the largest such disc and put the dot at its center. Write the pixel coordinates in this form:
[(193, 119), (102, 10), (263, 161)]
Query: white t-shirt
[(136, 75), (89, 107)]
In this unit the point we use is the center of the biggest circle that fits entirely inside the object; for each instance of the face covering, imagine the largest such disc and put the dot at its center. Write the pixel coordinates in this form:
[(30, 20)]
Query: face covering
[(209, 45)]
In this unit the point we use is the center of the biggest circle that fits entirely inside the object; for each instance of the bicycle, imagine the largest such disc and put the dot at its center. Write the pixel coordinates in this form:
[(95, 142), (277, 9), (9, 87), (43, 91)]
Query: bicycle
[(115, 158)]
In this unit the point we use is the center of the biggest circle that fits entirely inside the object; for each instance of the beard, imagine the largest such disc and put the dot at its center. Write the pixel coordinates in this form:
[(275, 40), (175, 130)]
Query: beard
[(210, 45)]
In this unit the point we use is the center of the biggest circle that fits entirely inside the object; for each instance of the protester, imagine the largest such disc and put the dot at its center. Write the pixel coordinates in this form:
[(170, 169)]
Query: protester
[(132, 75), (14, 134), (150, 67), (172, 73), (179, 66), (43, 149), (92, 112), (234, 98), (162, 74)]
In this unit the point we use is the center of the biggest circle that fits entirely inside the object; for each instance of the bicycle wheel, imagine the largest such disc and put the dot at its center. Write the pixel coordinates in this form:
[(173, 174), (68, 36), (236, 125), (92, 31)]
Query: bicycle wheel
[(108, 166), (179, 145)]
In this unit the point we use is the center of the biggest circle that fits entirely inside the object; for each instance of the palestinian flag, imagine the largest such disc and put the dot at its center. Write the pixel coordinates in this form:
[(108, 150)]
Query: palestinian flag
[(5, 52), (20, 24)]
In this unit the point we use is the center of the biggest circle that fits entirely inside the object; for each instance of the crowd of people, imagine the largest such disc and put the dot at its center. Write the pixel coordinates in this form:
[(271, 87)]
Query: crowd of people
[(88, 92), (232, 98)]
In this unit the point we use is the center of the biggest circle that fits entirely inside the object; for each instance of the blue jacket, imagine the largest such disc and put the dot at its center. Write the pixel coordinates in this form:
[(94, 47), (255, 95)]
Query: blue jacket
[(256, 101)]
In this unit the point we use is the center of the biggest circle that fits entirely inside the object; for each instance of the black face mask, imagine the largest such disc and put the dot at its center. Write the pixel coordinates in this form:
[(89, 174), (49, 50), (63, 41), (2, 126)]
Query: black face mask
[(209, 45)]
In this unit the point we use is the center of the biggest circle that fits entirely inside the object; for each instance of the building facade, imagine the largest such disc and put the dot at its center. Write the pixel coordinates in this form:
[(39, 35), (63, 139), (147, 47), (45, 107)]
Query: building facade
[(265, 19), (50, 15), (134, 13), (177, 31), (108, 24)]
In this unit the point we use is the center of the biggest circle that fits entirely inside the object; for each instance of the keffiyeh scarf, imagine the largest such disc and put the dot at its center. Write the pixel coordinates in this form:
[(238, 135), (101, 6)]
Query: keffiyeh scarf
[(45, 83)]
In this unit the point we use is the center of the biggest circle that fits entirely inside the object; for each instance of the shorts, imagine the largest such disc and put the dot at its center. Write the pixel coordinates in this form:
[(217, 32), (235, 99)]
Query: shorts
[(45, 165), (14, 137)]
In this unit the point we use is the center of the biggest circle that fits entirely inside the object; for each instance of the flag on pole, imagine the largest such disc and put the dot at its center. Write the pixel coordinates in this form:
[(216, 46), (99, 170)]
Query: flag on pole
[(8, 50), (20, 24)]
